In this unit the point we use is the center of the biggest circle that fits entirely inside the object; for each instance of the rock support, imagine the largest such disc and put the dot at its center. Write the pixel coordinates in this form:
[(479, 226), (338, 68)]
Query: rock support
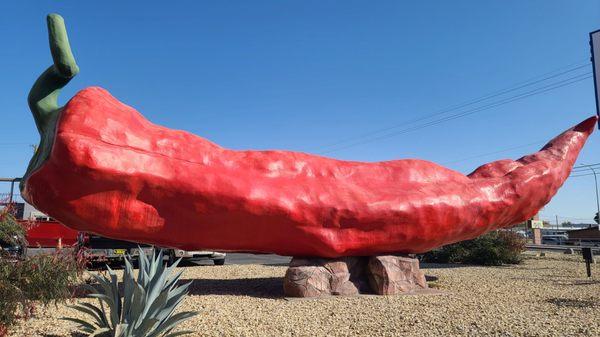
[(382, 275)]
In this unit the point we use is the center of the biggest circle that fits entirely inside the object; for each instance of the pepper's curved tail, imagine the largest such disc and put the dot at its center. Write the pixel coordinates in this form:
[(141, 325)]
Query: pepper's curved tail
[(562, 150), (531, 181)]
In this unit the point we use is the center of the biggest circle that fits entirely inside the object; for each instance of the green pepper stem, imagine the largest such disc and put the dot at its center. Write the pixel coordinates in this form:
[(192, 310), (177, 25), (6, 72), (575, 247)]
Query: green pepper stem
[(43, 96)]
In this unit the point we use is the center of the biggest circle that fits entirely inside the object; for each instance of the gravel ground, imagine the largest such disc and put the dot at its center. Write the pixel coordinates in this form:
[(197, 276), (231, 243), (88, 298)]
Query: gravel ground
[(544, 296)]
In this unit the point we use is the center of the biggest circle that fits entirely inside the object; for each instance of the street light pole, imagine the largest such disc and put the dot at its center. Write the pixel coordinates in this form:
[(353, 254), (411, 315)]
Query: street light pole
[(597, 202), (596, 184)]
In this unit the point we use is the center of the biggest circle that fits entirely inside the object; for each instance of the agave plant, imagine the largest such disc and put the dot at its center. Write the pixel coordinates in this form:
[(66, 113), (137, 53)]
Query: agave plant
[(147, 306)]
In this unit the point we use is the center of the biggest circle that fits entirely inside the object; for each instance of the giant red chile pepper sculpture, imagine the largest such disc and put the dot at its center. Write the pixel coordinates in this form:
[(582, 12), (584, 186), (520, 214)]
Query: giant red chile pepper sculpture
[(102, 167)]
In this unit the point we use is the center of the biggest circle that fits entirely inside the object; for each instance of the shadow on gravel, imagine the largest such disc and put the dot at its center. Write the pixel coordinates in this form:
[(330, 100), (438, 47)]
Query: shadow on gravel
[(119, 266), (584, 282), (267, 287), (572, 303), (275, 264)]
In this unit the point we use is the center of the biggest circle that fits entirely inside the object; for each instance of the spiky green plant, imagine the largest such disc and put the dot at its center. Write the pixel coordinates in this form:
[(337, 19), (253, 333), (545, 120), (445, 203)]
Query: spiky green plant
[(147, 306)]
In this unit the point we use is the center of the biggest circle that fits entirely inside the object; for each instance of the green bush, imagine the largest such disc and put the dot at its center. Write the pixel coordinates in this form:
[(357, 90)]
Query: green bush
[(492, 249), (41, 279)]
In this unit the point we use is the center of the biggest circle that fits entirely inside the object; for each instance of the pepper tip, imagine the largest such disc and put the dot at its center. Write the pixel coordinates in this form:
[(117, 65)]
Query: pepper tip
[(587, 126)]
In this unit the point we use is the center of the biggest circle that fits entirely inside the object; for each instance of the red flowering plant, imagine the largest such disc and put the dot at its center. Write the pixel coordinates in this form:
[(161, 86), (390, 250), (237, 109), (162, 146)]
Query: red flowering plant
[(29, 281)]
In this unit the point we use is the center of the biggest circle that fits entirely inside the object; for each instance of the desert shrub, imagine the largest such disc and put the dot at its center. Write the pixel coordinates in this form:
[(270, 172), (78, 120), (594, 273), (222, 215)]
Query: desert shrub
[(11, 232), (10, 300), (492, 249), (41, 279), (48, 277)]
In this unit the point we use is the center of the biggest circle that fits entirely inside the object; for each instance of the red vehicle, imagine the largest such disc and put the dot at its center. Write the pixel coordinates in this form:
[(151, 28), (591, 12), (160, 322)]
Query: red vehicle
[(49, 234), (45, 235)]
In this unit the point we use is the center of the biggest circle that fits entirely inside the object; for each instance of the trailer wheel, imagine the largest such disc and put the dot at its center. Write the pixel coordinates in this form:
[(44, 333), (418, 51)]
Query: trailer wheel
[(172, 257), (219, 262)]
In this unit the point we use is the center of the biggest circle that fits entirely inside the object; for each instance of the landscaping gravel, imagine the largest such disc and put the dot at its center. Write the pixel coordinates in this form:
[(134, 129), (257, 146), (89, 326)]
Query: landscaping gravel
[(544, 296)]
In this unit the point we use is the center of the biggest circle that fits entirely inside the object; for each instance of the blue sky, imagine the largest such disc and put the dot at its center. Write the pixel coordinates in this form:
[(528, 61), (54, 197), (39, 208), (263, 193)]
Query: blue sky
[(303, 75)]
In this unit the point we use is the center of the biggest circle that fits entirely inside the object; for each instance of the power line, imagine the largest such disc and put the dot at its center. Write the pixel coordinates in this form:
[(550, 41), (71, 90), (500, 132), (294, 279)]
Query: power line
[(585, 168), (576, 169), (13, 144), (517, 86), (582, 166), (581, 175), (584, 171), (537, 91), (494, 152), (549, 87)]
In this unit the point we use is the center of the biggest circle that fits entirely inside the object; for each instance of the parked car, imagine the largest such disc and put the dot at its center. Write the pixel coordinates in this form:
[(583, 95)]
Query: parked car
[(560, 239), (12, 250)]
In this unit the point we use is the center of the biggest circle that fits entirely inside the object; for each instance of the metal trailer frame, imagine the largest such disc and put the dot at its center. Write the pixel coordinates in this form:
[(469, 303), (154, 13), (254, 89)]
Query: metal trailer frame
[(12, 182)]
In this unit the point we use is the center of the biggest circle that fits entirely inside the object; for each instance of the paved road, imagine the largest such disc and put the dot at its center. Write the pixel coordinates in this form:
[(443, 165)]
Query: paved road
[(238, 258), (266, 259)]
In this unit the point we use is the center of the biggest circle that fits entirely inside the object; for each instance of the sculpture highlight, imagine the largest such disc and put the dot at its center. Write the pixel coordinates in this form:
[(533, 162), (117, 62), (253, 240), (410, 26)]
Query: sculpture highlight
[(101, 167)]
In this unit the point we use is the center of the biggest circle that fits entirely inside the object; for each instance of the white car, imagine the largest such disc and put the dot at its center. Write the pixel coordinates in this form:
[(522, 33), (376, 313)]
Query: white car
[(217, 258), (554, 239)]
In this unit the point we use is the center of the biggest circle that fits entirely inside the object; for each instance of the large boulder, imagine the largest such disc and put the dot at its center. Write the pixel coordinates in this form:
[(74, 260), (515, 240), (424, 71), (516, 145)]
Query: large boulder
[(312, 277), (382, 275), (391, 275)]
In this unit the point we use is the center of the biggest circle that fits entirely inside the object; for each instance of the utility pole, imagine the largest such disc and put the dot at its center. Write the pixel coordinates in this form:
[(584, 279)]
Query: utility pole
[(556, 222)]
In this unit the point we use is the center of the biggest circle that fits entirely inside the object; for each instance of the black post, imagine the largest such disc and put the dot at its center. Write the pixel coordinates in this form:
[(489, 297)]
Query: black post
[(588, 256)]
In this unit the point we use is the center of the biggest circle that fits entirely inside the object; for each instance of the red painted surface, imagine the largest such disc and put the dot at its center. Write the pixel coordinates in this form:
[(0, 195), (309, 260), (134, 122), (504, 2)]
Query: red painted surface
[(47, 233), (114, 173)]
